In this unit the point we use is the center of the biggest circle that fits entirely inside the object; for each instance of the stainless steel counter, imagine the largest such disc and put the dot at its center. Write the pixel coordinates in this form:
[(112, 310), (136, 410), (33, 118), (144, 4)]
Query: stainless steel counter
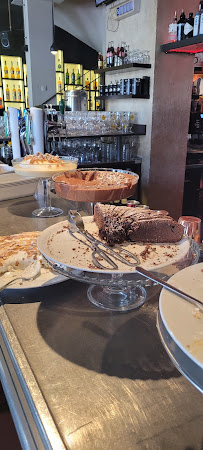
[(87, 378)]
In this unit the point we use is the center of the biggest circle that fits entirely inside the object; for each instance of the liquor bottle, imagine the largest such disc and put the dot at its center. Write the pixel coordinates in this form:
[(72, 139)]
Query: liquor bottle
[(67, 77), (189, 26), (7, 93), (19, 94), (1, 103), (100, 61), (59, 85), (78, 77), (201, 21), (197, 19), (181, 25), (121, 53), (12, 70), (18, 72), (172, 30), (14, 93), (107, 54), (5, 71), (111, 55), (95, 85), (87, 84), (73, 77), (59, 65)]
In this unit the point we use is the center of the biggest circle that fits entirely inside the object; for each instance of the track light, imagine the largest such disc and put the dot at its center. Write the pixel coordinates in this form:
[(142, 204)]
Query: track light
[(53, 49)]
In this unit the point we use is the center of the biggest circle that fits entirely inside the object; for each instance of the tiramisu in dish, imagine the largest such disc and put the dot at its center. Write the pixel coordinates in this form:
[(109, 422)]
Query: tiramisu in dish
[(95, 185), (43, 165), (119, 223)]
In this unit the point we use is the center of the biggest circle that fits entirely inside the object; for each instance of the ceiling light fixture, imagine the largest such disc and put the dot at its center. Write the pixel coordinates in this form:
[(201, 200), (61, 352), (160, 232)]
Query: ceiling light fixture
[(53, 48)]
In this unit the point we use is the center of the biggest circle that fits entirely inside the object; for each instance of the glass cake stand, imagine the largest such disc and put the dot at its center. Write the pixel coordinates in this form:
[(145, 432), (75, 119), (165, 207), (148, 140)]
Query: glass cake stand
[(44, 172), (109, 289)]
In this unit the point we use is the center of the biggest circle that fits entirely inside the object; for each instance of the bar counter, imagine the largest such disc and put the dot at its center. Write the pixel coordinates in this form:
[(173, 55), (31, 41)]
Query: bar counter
[(83, 378)]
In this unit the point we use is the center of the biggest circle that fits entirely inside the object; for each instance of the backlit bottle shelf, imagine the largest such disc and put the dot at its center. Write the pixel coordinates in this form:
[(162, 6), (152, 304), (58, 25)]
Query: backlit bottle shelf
[(190, 45)]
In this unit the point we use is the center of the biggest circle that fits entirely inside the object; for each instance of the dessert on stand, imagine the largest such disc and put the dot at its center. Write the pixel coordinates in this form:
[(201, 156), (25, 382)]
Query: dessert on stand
[(141, 236), (44, 166)]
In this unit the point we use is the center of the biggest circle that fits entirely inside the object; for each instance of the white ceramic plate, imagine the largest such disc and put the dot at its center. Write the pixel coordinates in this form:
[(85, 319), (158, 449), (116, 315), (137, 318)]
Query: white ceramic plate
[(46, 278), (57, 244), (182, 320)]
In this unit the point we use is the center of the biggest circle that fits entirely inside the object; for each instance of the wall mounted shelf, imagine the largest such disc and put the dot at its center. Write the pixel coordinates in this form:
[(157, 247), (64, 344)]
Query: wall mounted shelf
[(191, 45), (122, 97), (12, 79), (128, 67), (137, 129)]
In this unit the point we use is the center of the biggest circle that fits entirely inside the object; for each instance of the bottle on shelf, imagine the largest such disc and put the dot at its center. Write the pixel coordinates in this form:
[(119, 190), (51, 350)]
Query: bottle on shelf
[(1, 102), (14, 93), (59, 85), (95, 85), (172, 30), (19, 94), (111, 55), (67, 77), (78, 77), (181, 25), (73, 77), (18, 72), (121, 53), (59, 65), (5, 70), (189, 27), (87, 84), (107, 55), (7, 93), (198, 20), (100, 61), (12, 70)]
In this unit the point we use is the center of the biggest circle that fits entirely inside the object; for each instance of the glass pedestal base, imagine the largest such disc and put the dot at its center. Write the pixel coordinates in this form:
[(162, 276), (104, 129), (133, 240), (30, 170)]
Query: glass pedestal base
[(116, 300), (47, 212)]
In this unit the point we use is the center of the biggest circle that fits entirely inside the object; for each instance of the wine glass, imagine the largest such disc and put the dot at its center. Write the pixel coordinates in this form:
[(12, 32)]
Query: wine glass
[(45, 171)]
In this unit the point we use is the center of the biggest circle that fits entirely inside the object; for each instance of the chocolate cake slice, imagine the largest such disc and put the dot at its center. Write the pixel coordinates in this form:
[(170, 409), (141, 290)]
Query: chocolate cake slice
[(119, 223)]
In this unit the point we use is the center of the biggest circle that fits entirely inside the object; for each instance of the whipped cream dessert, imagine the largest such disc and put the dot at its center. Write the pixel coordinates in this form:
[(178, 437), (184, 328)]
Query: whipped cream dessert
[(43, 165), (18, 251)]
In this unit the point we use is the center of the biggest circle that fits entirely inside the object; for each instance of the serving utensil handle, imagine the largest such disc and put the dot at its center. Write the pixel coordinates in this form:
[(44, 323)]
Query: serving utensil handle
[(168, 286)]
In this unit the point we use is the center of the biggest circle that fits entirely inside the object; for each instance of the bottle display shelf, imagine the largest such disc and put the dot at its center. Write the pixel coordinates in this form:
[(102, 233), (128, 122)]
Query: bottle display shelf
[(13, 101), (190, 46), (128, 67), (12, 79), (59, 71), (70, 84), (120, 97)]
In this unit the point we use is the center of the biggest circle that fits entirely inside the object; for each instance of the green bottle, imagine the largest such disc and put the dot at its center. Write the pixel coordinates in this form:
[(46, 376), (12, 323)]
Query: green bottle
[(67, 77), (78, 77), (73, 77)]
